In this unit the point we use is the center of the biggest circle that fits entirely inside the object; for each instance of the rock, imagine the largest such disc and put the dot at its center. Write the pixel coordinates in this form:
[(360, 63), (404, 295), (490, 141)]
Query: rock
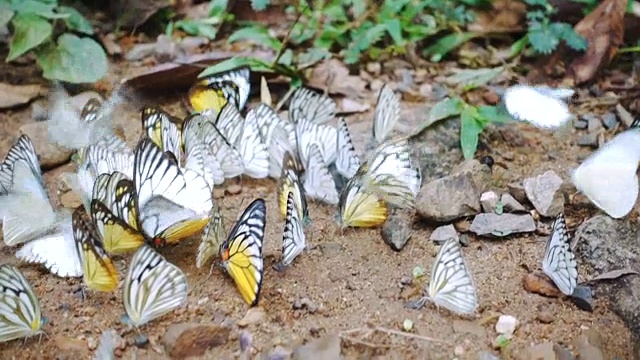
[(16, 95), (327, 348), (582, 297), (589, 345), (541, 352), (588, 140), (110, 44), (545, 315), (253, 316), (233, 189), (502, 225), (373, 68), (562, 353), (70, 200), (141, 341), (580, 124), (544, 193), (305, 303), (443, 233), (49, 155), (193, 339), (140, 51), (506, 325), (485, 355), (456, 195), (594, 125), (609, 120), (540, 284), (510, 204), (625, 116), (397, 230), (488, 201), (469, 327), (517, 191)]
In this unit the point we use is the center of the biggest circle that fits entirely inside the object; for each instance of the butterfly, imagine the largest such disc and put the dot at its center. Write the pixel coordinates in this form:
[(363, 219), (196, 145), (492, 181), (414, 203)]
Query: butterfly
[(255, 156), (99, 272), (212, 237), (324, 136), (241, 252), (173, 203), (199, 155), (451, 285), (311, 106), (217, 90), (386, 115), (293, 238), (608, 176), (229, 157), (289, 182), (22, 150), (318, 182), (152, 288), (541, 106), (559, 262), (276, 134), (347, 160), (115, 213), (158, 127), (20, 312), (359, 208)]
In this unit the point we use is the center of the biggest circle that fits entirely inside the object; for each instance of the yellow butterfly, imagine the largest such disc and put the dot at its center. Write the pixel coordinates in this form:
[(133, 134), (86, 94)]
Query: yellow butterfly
[(99, 272), (289, 181), (215, 91), (241, 252), (212, 237), (162, 129), (115, 213), (359, 208)]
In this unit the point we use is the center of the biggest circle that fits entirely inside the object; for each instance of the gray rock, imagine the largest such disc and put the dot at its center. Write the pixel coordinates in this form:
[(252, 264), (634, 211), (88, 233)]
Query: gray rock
[(580, 124), (542, 351), (510, 204), (594, 125), (327, 348), (443, 233), (456, 195), (543, 191), (562, 353), (588, 140), (502, 225), (140, 51), (488, 201), (609, 120), (589, 345), (485, 355), (397, 230), (582, 297), (49, 155), (517, 191), (605, 244)]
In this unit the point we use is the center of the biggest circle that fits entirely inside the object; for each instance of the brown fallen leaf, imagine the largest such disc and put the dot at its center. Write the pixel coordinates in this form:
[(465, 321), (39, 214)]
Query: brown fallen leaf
[(614, 274), (604, 30), (504, 16), (333, 77), (540, 284), (16, 95)]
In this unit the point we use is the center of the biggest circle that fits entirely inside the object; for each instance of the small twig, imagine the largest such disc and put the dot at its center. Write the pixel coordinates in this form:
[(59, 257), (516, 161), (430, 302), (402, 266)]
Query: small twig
[(285, 41), (344, 335), (409, 335), (284, 98)]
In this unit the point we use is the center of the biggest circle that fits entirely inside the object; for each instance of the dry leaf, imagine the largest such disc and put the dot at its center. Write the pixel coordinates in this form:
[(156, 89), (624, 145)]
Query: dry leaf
[(614, 274), (15, 95), (265, 94), (504, 16), (540, 284)]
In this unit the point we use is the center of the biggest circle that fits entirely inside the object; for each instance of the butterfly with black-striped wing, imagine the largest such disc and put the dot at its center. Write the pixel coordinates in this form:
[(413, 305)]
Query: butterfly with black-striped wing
[(255, 156), (241, 252), (559, 262), (276, 134), (347, 160), (359, 208), (212, 237), (293, 238), (311, 106), (289, 182), (217, 90), (386, 115), (451, 285), (541, 106), (153, 287), (20, 313), (157, 125), (318, 182), (198, 154), (230, 123), (21, 150), (325, 136), (229, 157)]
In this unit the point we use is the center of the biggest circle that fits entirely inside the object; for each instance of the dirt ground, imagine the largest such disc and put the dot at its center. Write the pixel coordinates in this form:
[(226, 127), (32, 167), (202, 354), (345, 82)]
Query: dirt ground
[(353, 277)]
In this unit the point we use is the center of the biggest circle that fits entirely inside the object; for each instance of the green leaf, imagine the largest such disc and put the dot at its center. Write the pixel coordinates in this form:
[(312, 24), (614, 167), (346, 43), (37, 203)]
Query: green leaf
[(487, 114), (443, 109), (565, 32), (259, 5), (75, 21), (29, 31), (254, 63), (217, 8), (542, 39), (470, 129), (74, 60), (256, 34), (6, 13), (518, 46), (394, 28), (446, 44), (35, 7), (312, 56), (472, 78), (286, 58), (197, 28)]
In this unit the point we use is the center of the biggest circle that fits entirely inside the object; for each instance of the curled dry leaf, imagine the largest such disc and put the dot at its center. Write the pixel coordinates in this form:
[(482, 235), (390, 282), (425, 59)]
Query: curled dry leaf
[(16, 95), (604, 29), (540, 284), (614, 274)]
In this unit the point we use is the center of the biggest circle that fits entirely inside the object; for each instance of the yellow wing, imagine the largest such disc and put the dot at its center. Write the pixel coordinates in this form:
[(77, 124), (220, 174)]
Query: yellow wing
[(212, 238), (180, 231), (99, 272), (215, 91), (118, 236), (241, 253), (359, 208), (289, 181)]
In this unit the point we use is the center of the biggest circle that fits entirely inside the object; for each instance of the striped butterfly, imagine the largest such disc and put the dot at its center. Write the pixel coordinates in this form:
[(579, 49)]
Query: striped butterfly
[(20, 313), (318, 182), (541, 106), (22, 150), (608, 176), (153, 287), (241, 252), (157, 125), (173, 203), (199, 155), (99, 272), (359, 208), (212, 237), (451, 285), (559, 262), (255, 156), (276, 134), (386, 115), (230, 123), (289, 182), (347, 160), (269, 120), (217, 90), (312, 106), (230, 159), (324, 136), (293, 238)]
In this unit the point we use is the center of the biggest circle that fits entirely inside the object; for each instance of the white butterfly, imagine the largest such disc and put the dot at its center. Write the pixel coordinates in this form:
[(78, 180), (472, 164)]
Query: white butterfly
[(542, 107), (229, 158), (318, 182), (275, 133), (161, 130), (559, 262), (347, 160), (268, 119), (199, 156), (255, 156), (324, 136), (309, 105), (387, 113), (152, 288), (608, 176), (230, 123), (451, 285), (21, 150), (293, 238), (212, 237), (20, 313)]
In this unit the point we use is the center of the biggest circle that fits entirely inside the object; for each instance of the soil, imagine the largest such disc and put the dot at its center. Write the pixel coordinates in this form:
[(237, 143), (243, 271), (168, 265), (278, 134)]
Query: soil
[(352, 276)]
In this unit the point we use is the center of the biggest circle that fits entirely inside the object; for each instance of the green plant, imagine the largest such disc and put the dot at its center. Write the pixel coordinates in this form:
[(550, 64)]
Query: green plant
[(67, 56), (207, 27)]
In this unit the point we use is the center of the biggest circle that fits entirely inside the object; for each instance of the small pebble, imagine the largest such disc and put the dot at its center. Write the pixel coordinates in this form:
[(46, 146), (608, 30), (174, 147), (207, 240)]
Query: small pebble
[(609, 120), (405, 281), (458, 350), (141, 341), (407, 325), (92, 344), (545, 316), (506, 325), (594, 125), (588, 140), (580, 124), (234, 189)]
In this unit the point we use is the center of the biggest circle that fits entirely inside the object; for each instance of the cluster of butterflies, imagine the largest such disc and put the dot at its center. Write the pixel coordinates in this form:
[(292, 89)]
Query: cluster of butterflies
[(160, 193)]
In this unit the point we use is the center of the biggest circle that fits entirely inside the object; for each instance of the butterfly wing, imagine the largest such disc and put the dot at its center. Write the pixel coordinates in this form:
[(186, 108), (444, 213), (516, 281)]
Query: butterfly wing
[(230, 124), (215, 91), (255, 156), (229, 158), (293, 239), (347, 160), (318, 182), (524, 103), (289, 182), (308, 104), (212, 238), (451, 285), (387, 113), (161, 130), (359, 208), (153, 287), (559, 262), (324, 136), (20, 314), (242, 251)]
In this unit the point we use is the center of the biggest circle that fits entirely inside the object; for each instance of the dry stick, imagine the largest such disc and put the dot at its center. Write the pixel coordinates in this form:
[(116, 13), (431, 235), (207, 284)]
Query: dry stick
[(285, 41), (392, 332)]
